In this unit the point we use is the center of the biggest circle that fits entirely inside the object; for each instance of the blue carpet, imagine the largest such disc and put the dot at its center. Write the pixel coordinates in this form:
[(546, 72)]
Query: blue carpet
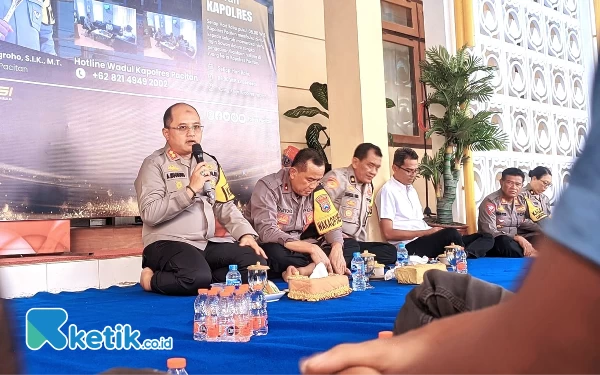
[(296, 329)]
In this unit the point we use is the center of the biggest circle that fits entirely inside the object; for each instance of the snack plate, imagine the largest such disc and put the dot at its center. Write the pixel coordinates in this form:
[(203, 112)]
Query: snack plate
[(274, 297)]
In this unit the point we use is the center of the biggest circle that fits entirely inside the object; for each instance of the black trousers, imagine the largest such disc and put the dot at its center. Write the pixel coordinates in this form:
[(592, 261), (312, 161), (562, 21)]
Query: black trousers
[(181, 269), (505, 247), (433, 245), (385, 253)]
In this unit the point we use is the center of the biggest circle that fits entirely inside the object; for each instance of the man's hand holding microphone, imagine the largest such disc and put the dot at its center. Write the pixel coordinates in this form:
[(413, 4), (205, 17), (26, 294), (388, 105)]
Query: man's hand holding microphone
[(200, 176)]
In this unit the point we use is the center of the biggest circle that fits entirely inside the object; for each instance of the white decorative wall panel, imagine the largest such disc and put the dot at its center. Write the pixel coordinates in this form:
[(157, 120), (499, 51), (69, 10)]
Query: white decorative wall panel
[(540, 86)]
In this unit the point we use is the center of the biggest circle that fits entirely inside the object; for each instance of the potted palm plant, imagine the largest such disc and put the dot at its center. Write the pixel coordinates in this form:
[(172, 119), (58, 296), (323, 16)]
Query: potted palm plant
[(456, 81), (314, 130)]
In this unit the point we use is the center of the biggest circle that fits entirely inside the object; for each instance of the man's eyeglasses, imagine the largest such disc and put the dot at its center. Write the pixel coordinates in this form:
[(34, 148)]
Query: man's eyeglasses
[(186, 129), (409, 171), (546, 184)]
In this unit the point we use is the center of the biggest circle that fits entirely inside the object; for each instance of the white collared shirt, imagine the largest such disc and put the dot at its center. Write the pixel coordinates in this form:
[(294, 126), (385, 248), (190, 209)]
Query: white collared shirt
[(400, 203)]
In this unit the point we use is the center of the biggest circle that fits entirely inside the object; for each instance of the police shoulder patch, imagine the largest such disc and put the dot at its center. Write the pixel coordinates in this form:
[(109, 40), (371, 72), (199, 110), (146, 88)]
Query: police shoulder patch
[(490, 208), (332, 182)]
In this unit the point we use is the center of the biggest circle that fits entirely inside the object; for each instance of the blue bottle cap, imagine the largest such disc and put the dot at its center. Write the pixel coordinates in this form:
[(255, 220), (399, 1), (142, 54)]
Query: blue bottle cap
[(233, 267), (357, 254)]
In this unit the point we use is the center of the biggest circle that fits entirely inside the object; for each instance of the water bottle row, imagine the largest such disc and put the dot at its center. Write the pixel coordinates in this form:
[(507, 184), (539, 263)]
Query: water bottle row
[(230, 314)]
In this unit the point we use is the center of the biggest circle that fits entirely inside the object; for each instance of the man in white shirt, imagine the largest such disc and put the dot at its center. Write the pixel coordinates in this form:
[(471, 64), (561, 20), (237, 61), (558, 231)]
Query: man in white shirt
[(401, 214)]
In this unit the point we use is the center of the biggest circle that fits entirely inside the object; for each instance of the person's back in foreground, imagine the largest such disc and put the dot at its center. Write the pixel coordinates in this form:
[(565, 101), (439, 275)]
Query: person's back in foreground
[(550, 326)]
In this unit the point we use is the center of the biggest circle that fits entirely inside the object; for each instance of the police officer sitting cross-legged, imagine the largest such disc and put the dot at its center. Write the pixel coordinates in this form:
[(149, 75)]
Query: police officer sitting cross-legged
[(296, 220), (504, 215), (351, 189), (181, 253)]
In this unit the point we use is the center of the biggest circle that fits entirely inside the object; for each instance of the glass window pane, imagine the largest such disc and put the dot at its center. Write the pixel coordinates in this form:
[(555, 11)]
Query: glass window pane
[(396, 14), (400, 87)]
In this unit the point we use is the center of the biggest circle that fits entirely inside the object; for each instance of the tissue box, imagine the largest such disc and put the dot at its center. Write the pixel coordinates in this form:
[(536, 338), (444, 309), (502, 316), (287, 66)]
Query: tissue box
[(304, 288), (414, 274)]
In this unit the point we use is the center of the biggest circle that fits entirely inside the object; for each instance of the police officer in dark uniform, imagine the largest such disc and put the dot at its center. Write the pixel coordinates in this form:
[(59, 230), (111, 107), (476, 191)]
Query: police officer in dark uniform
[(504, 215)]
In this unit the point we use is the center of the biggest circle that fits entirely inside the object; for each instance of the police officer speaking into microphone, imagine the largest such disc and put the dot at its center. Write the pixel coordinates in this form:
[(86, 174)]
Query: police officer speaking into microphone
[(28, 23), (181, 253)]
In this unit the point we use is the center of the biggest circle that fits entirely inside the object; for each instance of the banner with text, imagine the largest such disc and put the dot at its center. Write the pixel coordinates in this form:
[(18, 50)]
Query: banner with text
[(84, 85)]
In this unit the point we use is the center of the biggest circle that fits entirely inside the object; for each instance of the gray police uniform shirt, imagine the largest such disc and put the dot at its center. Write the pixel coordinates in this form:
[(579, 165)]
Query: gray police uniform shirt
[(27, 22), (353, 200), (279, 215), (575, 218), (498, 216), (168, 213)]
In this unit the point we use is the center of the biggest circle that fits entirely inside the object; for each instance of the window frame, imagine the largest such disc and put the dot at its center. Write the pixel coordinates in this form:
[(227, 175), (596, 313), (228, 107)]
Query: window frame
[(412, 37)]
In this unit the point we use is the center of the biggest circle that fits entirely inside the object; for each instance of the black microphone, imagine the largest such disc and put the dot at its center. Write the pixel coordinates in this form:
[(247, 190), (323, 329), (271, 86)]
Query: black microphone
[(209, 191)]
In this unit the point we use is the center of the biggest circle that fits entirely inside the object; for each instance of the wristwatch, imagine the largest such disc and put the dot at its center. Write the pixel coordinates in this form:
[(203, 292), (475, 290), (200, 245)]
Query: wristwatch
[(192, 190)]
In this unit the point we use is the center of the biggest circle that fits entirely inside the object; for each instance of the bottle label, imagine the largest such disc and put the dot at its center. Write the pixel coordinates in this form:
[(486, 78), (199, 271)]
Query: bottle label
[(243, 326), (461, 266), (212, 328), (258, 322), (199, 327)]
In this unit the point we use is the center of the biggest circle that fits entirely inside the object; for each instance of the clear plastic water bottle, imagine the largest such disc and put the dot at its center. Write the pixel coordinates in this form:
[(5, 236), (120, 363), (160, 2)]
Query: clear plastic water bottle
[(200, 313), (260, 319), (357, 266), (212, 315), (401, 255), (226, 321), (460, 256), (241, 315), (176, 366), (233, 277)]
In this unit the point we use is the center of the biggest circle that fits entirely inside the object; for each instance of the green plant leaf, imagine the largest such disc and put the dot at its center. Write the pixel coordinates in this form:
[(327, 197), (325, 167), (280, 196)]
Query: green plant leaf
[(305, 111), (389, 103), (319, 92)]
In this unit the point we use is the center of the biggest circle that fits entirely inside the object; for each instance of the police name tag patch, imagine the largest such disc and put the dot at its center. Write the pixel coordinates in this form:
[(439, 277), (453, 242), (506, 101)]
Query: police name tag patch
[(174, 175)]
